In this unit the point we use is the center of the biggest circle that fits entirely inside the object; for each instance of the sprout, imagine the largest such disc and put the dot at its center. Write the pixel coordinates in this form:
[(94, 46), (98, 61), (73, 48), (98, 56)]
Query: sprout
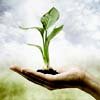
[(47, 21)]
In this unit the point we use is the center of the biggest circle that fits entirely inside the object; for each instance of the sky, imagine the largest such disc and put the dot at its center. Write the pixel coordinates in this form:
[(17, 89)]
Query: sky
[(78, 44)]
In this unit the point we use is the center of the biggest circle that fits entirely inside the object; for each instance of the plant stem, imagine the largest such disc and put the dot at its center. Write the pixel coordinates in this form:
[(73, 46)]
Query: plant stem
[(46, 35), (46, 51)]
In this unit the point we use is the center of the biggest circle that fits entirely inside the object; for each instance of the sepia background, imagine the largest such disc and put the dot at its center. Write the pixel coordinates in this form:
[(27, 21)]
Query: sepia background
[(77, 45)]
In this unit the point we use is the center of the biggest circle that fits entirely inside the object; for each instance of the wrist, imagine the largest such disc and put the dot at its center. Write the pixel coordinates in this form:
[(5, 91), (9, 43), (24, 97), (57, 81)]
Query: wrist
[(91, 86)]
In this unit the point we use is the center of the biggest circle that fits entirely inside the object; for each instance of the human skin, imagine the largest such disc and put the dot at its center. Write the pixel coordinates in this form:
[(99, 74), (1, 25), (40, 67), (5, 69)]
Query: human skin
[(73, 78)]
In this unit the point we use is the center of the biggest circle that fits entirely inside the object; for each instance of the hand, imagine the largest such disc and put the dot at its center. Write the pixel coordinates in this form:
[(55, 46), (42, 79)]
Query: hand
[(72, 78), (68, 79)]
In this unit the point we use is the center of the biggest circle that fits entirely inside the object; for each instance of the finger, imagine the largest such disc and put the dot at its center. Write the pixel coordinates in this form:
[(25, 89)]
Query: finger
[(33, 76), (45, 80), (39, 75), (16, 69), (31, 73), (26, 73)]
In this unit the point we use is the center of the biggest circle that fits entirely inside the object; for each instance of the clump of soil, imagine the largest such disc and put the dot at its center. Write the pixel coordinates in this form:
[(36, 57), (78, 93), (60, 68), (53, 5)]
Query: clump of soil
[(49, 71)]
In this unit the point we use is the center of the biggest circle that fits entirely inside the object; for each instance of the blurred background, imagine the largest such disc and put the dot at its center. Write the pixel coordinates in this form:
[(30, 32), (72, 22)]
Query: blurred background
[(77, 45)]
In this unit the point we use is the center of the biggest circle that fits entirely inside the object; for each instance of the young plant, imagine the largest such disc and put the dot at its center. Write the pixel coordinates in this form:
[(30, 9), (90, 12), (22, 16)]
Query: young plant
[(47, 20)]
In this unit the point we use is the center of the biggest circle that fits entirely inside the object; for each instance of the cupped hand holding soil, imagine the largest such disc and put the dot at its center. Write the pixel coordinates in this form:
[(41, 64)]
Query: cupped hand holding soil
[(73, 78)]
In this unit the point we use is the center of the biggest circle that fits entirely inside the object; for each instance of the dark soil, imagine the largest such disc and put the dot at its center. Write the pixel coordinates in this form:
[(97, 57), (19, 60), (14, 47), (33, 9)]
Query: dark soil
[(49, 71)]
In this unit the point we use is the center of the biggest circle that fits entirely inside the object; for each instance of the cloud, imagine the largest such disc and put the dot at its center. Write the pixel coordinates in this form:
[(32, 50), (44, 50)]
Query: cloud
[(81, 22), (78, 45), (3, 7)]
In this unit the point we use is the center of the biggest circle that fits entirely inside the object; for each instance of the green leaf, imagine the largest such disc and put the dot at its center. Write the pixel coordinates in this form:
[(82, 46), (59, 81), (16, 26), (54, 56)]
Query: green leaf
[(55, 32), (37, 46), (50, 18), (41, 30), (26, 28)]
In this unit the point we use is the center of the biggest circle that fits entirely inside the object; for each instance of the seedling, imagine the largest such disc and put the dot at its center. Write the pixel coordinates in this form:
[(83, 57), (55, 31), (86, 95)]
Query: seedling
[(47, 20)]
